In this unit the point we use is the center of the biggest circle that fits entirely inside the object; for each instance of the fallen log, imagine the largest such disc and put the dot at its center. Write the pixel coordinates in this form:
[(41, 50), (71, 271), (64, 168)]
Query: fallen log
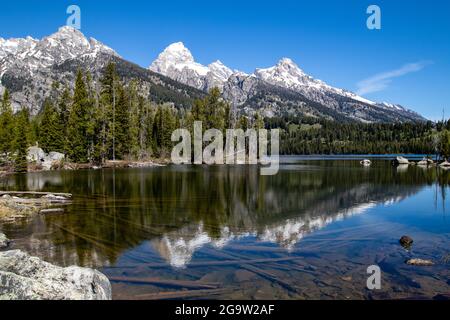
[(180, 294), (258, 271), (167, 282), (67, 195), (207, 263), (86, 238)]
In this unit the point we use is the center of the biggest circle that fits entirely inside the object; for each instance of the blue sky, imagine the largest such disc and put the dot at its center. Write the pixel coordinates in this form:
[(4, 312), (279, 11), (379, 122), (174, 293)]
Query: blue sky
[(406, 62)]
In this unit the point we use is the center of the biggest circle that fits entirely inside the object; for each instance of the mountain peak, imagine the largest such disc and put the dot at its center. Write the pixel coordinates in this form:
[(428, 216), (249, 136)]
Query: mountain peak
[(66, 36), (176, 46), (175, 56), (289, 65), (218, 63), (287, 61), (285, 73), (221, 71), (178, 52), (67, 29), (66, 32)]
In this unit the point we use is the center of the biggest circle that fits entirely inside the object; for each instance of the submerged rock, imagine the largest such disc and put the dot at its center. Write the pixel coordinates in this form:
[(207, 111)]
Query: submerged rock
[(4, 241), (406, 241), (420, 262), (23, 277)]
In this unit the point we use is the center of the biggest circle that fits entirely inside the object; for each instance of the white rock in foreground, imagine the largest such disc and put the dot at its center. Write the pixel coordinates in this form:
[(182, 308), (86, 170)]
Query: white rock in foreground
[(23, 277)]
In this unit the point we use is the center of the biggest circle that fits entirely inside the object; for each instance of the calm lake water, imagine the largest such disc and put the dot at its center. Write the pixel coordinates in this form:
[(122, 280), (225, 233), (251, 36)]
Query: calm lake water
[(225, 232)]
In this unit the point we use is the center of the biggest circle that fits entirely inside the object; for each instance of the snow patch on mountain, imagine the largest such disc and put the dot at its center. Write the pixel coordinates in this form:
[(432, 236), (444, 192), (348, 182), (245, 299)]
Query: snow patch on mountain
[(14, 45)]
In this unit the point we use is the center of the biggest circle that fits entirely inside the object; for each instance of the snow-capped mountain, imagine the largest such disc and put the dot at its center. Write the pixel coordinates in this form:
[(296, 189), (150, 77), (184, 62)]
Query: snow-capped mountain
[(177, 62), (32, 54), (29, 67), (25, 63), (287, 74)]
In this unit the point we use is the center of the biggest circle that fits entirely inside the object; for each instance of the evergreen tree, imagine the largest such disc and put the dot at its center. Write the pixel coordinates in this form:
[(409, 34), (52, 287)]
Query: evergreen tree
[(135, 114), (6, 125), (258, 122), (64, 112), (78, 123), (243, 123), (21, 141), (445, 144), (147, 122), (212, 111), (122, 124), (51, 134), (93, 123), (164, 125), (106, 112)]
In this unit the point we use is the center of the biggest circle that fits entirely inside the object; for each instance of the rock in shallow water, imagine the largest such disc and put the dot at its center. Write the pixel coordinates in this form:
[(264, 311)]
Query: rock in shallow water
[(420, 262), (406, 241), (23, 277)]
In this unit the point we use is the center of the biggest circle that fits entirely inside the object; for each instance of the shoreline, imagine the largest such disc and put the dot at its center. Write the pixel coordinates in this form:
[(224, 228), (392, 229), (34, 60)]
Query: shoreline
[(89, 166)]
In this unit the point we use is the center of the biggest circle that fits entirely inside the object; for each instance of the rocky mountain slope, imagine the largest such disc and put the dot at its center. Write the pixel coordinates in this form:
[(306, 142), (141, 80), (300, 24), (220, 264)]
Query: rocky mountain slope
[(29, 67)]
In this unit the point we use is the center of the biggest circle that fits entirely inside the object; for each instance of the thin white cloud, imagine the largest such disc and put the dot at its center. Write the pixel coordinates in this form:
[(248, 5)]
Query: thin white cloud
[(382, 80)]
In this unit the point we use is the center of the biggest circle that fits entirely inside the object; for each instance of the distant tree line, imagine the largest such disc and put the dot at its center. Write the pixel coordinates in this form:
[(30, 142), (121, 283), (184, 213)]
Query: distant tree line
[(302, 135)]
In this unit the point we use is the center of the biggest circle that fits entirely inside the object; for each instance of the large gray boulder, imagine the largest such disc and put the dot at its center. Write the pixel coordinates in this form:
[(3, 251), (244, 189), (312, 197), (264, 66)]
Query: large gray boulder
[(23, 277), (51, 159), (401, 160), (55, 156), (35, 154)]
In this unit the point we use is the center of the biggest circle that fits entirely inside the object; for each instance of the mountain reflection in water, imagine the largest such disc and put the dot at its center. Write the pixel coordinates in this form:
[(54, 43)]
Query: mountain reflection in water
[(179, 210)]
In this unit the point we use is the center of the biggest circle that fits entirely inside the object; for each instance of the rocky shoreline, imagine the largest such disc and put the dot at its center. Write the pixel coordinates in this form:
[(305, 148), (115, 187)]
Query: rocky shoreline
[(38, 161), (23, 277)]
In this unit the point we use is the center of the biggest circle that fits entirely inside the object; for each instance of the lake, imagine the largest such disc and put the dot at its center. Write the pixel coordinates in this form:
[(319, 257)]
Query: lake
[(226, 232)]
